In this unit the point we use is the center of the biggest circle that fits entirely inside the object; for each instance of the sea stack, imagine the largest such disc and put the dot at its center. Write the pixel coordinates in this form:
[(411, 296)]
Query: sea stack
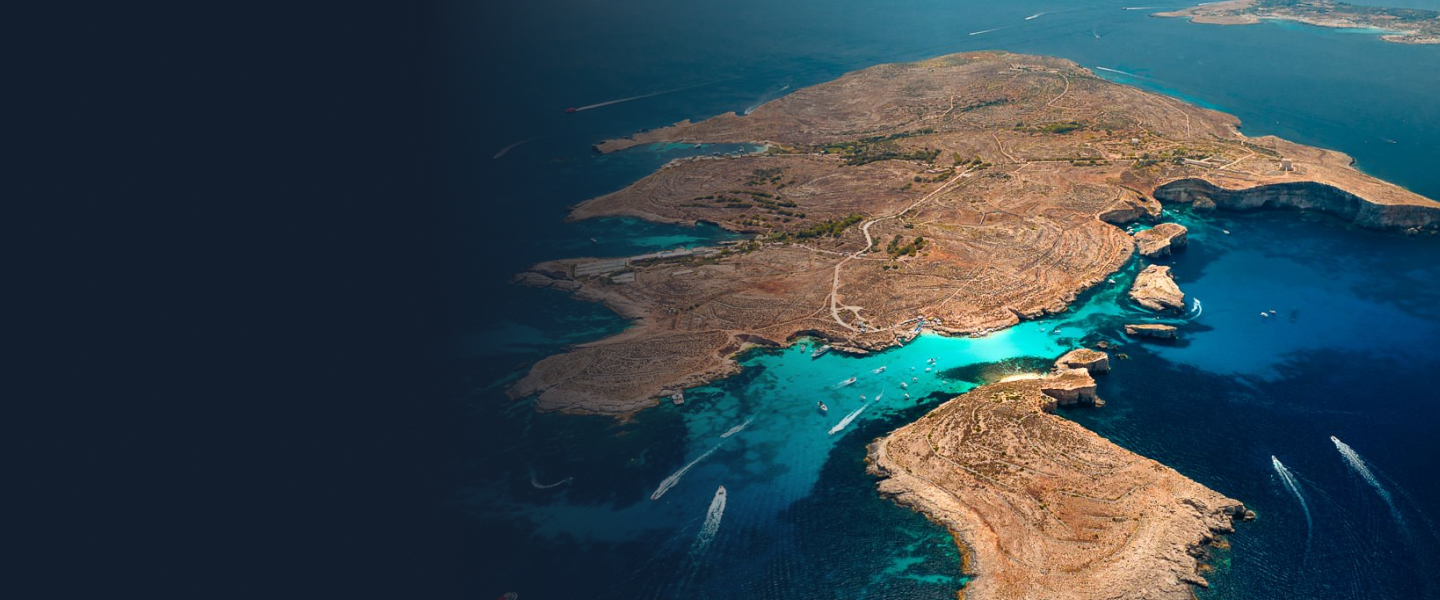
[(1155, 289), (1158, 241), (1068, 387), (1152, 330), (1093, 361)]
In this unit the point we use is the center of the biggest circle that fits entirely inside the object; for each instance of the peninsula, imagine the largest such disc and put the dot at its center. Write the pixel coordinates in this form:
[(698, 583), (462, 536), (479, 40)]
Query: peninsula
[(1044, 508), (961, 194), (1401, 25)]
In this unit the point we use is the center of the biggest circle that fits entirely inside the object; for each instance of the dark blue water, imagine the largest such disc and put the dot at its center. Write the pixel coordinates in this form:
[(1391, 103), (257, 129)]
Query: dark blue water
[(1349, 353)]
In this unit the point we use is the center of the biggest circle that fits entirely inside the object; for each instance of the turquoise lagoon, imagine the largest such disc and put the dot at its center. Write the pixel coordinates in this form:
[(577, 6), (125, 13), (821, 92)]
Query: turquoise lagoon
[(562, 504)]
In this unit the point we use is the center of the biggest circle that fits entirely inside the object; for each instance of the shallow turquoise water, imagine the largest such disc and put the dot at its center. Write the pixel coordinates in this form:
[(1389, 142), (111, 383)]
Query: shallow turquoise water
[(1349, 353)]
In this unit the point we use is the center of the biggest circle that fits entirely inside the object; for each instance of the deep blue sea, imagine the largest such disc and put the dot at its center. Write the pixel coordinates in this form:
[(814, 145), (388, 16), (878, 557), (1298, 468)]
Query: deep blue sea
[(1350, 352)]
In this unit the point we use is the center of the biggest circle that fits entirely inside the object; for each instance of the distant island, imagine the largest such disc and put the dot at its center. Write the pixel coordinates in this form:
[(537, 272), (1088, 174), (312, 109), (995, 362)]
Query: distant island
[(960, 195), (1401, 25)]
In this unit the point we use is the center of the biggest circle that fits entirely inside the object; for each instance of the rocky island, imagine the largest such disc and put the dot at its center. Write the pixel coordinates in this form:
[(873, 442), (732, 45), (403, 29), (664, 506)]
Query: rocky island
[(1401, 25), (961, 194), (1045, 508)]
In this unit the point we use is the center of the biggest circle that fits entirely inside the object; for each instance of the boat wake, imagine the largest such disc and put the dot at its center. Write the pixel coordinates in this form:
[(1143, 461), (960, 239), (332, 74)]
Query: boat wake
[(712, 523), (736, 429), (768, 96), (644, 96), (1108, 69), (988, 30), (674, 478), (511, 147), (537, 485), (1358, 465), (1289, 480), (845, 422), (1034, 16), (1195, 310)]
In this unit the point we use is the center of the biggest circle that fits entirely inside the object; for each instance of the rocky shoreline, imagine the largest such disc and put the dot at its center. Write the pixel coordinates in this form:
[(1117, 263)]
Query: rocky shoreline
[(1043, 508), (996, 206)]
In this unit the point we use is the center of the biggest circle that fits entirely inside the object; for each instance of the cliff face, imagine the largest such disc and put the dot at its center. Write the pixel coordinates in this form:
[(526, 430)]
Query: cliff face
[(1045, 508), (1303, 195)]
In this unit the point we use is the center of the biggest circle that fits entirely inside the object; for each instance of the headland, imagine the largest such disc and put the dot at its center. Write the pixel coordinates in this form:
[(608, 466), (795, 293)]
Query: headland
[(1044, 508)]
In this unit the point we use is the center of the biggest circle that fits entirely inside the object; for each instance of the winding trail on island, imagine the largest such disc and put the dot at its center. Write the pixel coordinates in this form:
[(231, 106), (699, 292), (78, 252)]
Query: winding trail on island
[(1016, 172)]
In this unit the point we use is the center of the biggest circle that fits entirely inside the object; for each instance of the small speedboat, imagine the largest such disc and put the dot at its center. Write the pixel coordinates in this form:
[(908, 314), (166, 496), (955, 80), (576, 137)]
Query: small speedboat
[(904, 385), (823, 409), (845, 383), (879, 370)]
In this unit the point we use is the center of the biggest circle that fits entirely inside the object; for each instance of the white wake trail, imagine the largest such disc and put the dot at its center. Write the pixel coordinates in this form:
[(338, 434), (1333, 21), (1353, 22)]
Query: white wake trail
[(850, 417), (1034, 16), (643, 96), (1117, 71), (736, 429), (1358, 465), (1289, 480), (512, 146), (712, 522), (674, 478)]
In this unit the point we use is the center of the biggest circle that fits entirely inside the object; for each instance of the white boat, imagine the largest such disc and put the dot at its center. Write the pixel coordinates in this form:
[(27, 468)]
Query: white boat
[(819, 352), (845, 383), (823, 409), (904, 385), (879, 370)]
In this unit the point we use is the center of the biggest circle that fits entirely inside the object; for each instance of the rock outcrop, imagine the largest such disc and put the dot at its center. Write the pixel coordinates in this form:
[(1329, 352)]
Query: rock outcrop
[(1093, 361), (1160, 240), (1044, 508), (1156, 290), (1069, 387), (1152, 330)]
